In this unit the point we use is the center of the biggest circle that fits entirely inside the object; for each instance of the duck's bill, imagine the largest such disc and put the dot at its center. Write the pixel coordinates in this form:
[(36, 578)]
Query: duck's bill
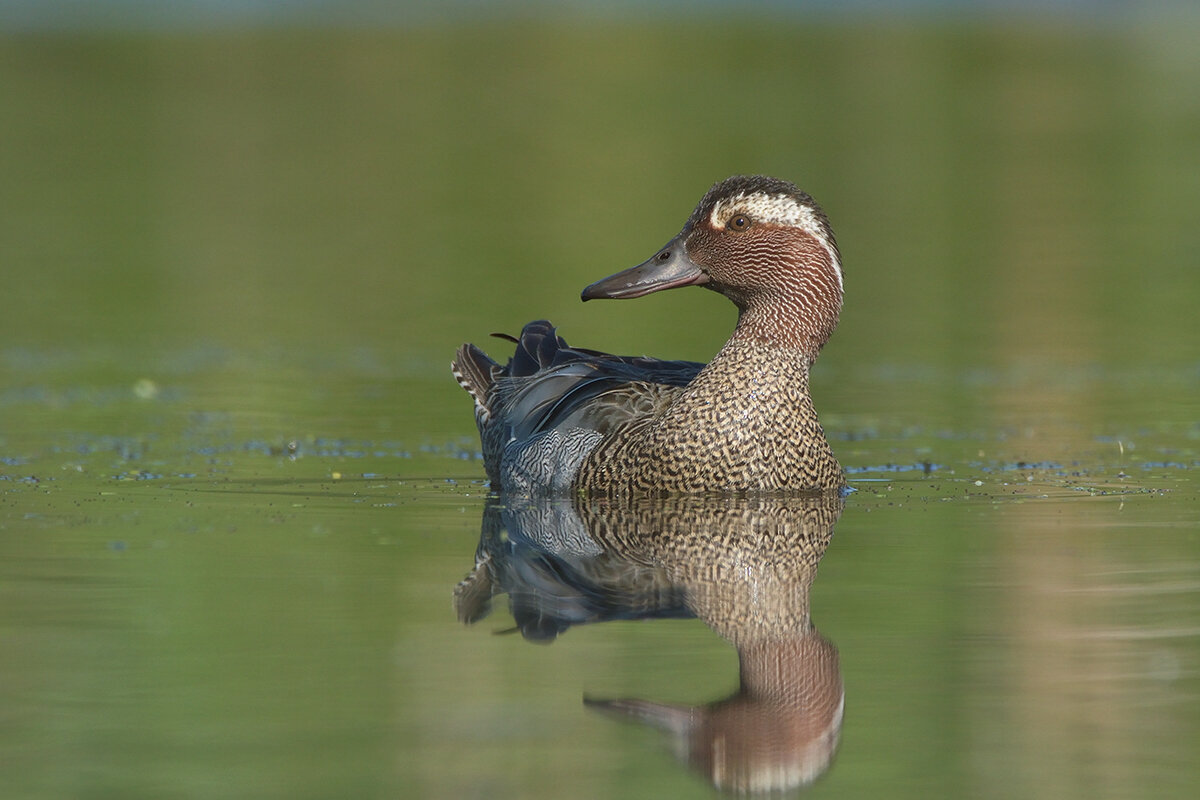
[(669, 269)]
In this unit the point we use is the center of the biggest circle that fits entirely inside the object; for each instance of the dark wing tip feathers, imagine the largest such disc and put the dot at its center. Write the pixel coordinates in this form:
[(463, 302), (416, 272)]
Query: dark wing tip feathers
[(475, 372), (537, 348)]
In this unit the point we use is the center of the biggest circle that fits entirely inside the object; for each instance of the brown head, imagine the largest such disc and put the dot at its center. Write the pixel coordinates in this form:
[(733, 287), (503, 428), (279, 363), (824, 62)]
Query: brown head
[(762, 243)]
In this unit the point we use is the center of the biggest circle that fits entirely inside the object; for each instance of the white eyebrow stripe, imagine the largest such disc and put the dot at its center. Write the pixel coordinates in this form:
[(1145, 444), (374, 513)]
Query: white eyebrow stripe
[(778, 209), (837, 266)]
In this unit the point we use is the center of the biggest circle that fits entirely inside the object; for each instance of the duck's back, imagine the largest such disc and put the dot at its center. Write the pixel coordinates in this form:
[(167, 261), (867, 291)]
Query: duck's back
[(542, 413)]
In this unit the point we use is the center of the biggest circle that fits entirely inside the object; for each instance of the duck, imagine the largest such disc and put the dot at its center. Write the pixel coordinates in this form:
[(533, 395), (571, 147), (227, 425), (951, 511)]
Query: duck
[(558, 420)]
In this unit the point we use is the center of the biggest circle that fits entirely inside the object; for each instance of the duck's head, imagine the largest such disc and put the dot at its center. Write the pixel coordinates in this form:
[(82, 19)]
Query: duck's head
[(762, 243)]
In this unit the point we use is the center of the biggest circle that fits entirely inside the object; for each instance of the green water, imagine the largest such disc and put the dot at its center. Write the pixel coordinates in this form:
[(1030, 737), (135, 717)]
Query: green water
[(238, 485)]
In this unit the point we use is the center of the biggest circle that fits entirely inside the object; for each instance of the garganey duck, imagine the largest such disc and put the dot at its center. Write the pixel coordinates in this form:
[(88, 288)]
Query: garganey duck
[(557, 419)]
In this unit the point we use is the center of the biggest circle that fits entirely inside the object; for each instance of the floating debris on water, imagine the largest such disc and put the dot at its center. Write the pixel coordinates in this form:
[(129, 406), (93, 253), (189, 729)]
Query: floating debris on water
[(145, 389)]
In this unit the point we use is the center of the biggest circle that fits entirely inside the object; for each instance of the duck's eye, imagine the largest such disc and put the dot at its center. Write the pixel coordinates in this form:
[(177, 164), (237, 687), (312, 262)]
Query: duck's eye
[(738, 223)]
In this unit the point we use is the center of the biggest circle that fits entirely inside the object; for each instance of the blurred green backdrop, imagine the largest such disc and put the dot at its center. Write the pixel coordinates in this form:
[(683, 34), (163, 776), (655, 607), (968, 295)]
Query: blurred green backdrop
[(999, 191)]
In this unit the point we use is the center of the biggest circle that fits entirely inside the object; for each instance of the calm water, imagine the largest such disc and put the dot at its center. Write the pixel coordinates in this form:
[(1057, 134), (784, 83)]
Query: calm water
[(196, 605), (246, 549)]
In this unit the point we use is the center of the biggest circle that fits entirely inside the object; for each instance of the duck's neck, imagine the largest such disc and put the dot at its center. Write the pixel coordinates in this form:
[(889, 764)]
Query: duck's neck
[(801, 668), (777, 321)]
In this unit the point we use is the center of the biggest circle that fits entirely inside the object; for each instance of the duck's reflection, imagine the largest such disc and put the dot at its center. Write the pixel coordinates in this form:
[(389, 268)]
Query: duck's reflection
[(742, 565)]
